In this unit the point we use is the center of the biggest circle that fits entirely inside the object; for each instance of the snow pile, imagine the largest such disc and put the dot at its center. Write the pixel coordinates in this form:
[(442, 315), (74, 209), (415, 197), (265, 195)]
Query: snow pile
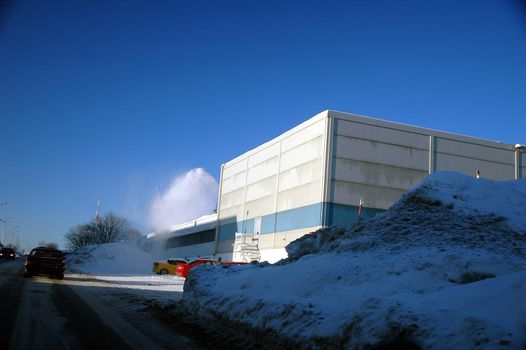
[(111, 258), (445, 267)]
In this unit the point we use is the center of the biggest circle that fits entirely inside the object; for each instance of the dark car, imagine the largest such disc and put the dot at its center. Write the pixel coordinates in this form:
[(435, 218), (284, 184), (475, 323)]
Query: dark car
[(7, 253), (45, 261)]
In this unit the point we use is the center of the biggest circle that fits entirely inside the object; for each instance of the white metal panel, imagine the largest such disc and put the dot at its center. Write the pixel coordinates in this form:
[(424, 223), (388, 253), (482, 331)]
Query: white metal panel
[(469, 166), (312, 131), (377, 174), (264, 154), (260, 207), (415, 129), (319, 117), (475, 151), (374, 196), (382, 134), (232, 212), (327, 164), (266, 241), (263, 170), (257, 224), (232, 199), (381, 153), (262, 188), (300, 175), (302, 154), (232, 169), (300, 196), (233, 182)]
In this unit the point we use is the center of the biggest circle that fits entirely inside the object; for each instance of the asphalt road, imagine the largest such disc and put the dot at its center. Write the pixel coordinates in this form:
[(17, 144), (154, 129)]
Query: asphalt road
[(46, 313)]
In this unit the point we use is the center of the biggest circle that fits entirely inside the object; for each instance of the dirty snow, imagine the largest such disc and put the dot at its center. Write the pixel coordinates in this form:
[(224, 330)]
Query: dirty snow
[(444, 267)]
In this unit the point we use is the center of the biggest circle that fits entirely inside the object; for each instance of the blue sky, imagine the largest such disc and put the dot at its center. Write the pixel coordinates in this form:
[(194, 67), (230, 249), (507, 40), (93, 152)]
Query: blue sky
[(111, 100)]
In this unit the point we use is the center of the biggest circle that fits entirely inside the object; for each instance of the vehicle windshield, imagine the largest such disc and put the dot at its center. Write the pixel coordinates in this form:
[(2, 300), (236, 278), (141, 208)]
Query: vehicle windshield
[(46, 254), (177, 261)]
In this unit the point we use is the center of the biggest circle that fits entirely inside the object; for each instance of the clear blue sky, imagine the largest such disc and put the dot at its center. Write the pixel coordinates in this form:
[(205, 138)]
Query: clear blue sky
[(110, 100)]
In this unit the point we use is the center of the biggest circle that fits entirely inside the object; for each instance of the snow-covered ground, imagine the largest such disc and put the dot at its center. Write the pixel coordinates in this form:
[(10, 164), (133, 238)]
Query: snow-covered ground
[(116, 280), (123, 266), (444, 268)]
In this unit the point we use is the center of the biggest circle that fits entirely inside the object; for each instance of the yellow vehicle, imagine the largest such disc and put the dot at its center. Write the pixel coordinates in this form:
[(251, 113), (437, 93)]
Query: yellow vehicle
[(168, 266)]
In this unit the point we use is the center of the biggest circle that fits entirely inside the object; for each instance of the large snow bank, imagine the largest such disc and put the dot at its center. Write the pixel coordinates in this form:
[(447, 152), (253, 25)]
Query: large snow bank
[(110, 258), (445, 267)]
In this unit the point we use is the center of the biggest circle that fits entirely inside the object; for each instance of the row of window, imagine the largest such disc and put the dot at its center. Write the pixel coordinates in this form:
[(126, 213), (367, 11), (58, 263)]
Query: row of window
[(192, 239)]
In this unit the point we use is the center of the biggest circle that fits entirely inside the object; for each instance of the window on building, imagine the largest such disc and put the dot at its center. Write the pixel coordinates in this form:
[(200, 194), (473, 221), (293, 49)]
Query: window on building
[(191, 239)]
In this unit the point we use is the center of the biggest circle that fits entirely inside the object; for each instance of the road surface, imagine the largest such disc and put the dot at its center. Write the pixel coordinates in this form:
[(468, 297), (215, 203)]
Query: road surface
[(46, 313)]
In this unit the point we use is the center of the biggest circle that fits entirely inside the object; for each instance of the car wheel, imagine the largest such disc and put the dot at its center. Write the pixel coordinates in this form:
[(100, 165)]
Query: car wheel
[(163, 272)]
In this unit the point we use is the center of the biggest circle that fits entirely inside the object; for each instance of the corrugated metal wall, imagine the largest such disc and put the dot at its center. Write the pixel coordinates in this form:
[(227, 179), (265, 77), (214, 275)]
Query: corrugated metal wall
[(375, 164), (279, 184), (377, 161), (316, 174)]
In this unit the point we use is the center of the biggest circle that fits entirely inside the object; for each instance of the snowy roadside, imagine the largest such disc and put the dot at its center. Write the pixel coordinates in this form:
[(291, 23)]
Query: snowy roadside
[(122, 268), (116, 281), (123, 307), (121, 283), (445, 267)]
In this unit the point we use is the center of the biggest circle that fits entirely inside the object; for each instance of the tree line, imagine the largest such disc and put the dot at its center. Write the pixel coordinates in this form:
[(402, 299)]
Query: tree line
[(107, 229)]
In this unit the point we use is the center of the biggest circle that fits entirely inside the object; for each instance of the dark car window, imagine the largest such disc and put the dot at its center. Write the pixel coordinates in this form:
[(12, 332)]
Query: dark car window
[(175, 262), (46, 254)]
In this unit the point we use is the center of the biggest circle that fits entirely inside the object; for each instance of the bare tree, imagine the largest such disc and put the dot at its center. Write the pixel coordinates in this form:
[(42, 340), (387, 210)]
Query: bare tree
[(79, 236), (109, 228)]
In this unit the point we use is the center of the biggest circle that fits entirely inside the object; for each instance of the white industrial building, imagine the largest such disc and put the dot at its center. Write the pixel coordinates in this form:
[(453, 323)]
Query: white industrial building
[(319, 172)]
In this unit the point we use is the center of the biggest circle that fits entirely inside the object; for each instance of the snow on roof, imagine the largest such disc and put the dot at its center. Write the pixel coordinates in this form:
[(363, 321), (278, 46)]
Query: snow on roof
[(185, 227), (444, 267)]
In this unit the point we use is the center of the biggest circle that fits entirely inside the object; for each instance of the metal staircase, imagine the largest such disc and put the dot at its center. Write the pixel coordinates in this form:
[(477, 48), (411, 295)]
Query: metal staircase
[(246, 247)]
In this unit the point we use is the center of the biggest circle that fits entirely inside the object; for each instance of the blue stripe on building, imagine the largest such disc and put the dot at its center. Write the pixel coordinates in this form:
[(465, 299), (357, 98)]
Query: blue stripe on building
[(347, 215), (298, 218)]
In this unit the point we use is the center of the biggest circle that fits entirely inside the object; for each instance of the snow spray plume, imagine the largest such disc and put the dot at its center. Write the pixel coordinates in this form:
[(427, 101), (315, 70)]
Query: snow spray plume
[(190, 196)]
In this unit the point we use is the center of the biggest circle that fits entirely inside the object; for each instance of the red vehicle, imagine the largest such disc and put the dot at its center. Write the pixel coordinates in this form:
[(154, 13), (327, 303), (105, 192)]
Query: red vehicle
[(45, 261), (182, 269)]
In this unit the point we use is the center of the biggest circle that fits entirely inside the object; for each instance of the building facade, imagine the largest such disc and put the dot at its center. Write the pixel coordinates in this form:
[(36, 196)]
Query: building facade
[(319, 172), (325, 172)]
